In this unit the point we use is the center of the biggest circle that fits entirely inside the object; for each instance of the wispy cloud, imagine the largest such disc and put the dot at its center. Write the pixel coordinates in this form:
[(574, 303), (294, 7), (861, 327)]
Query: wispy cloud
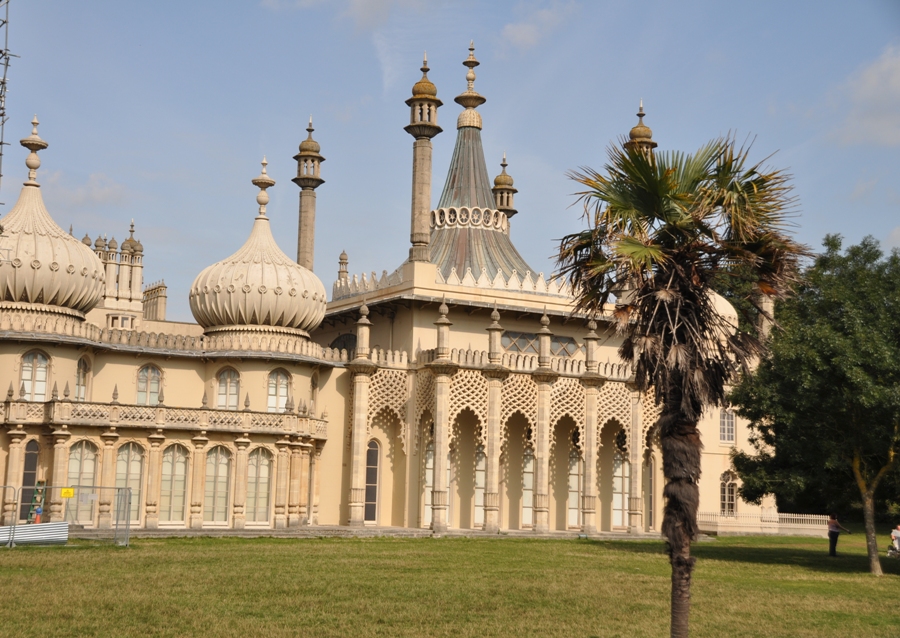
[(99, 190), (874, 96), (365, 14), (863, 188), (536, 25)]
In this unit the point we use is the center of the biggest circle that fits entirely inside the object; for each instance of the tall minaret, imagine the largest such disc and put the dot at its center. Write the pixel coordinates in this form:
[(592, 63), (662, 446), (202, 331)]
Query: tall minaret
[(308, 161), (423, 108), (504, 191), (641, 137)]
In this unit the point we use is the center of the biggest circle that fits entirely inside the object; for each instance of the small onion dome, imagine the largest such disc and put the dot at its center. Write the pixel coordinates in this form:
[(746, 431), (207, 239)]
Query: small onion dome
[(641, 135), (424, 87), (138, 246), (309, 145), (258, 287), (343, 258), (86, 240), (100, 243), (113, 244), (43, 264), (503, 180)]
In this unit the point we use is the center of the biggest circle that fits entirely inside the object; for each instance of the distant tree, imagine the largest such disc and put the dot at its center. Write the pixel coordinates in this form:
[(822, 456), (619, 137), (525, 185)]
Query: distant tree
[(661, 230), (824, 405)]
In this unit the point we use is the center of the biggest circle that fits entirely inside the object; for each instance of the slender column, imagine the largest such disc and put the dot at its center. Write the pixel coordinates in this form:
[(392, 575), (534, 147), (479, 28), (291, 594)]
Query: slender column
[(13, 473), (151, 518), (315, 460), (111, 263), (60, 470), (198, 479), (125, 273), (443, 369), (592, 383), (239, 507), (361, 368), (282, 473), (495, 374), (294, 484), (308, 179), (107, 478), (544, 377), (636, 483), (304, 485)]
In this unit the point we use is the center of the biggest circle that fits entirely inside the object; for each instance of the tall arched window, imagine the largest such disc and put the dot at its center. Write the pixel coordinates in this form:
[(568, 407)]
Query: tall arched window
[(229, 390), (528, 488), (129, 473), (173, 484), (82, 471), (726, 426), (621, 485), (575, 479), (82, 377), (34, 376), (259, 473), (29, 496), (480, 468), (148, 385), (279, 385), (372, 454), (649, 469), (429, 483), (728, 494), (218, 484)]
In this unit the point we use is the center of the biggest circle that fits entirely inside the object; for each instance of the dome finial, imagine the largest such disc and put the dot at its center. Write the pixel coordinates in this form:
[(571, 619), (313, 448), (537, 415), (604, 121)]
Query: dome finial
[(310, 129), (33, 143), (263, 182), (470, 98), (641, 137)]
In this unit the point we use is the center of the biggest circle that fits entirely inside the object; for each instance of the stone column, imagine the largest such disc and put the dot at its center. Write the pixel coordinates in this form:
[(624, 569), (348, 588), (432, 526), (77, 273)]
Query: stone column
[(361, 368), (636, 483), (308, 179), (592, 383), (13, 473), (315, 462), (443, 369), (151, 519), (239, 506), (294, 484), (107, 478), (495, 374), (60, 474), (282, 474), (544, 377), (198, 480), (305, 509)]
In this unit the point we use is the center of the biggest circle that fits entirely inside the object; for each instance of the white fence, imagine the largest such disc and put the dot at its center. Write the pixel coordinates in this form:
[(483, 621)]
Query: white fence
[(768, 521)]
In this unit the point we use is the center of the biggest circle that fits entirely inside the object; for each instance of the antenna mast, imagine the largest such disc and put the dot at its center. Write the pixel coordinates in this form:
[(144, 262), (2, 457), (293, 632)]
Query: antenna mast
[(5, 56)]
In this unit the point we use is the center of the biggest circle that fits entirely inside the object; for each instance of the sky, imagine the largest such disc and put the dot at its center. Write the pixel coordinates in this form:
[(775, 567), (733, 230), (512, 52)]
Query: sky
[(161, 112)]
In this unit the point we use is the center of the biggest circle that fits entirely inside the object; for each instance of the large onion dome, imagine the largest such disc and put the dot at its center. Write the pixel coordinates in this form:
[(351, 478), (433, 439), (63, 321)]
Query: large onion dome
[(258, 287), (40, 263)]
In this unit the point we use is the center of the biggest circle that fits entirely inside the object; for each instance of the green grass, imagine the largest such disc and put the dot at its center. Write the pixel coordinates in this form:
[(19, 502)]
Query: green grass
[(455, 587)]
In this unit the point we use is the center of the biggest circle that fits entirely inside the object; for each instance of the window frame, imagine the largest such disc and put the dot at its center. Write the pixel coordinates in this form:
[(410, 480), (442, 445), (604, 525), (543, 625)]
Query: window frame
[(34, 355), (726, 426), (254, 495), (83, 380), (171, 449), (289, 382), (149, 399), (376, 485), (220, 376)]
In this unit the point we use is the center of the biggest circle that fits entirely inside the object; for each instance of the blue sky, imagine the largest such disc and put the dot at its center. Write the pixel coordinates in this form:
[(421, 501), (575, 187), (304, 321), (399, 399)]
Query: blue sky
[(161, 111)]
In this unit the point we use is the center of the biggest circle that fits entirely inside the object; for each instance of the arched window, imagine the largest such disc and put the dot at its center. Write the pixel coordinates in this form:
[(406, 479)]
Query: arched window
[(29, 496), (82, 471), (259, 473), (372, 454), (649, 469), (82, 377), (34, 376), (728, 494), (148, 385), (218, 484), (129, 473), (575, 479), (621, 485), (480, 468), (173, 484), (279, 386), (726, 426), (429, 483), (229, 390), (528, 488)]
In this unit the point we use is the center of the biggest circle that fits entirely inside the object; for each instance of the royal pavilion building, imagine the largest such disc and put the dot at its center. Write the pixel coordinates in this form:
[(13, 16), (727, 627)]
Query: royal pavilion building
[(455, 391)]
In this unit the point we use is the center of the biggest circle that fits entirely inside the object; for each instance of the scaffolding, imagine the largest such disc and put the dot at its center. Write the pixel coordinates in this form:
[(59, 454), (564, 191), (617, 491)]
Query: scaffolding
[(5, 57)]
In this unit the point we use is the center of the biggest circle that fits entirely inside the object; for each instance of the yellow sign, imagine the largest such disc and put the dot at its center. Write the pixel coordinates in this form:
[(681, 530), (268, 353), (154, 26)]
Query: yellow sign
[(67, 492)]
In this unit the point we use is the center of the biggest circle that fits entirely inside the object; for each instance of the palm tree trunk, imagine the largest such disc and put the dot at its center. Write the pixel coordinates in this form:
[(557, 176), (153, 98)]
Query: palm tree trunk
[(681, 448)]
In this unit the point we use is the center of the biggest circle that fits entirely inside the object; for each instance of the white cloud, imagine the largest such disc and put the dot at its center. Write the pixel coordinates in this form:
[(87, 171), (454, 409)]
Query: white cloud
[(874, 94), (528, 32), (99, 190)]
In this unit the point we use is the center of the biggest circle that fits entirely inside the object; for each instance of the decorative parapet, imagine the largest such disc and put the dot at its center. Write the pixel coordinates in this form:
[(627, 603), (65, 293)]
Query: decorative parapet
[(27, 321), (519, 362), (390, 358), (481, 218), (529, 284), (364, 285), (105, 415)]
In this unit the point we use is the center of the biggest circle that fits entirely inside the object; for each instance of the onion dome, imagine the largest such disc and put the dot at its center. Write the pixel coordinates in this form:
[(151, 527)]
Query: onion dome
[(424, 87), (309, 162), (309, 145), (130, 243), (86, 240), (113, 244), (504, 191), (641, 136), (259, 287), (42, 263), (100, 243), (503, 180)]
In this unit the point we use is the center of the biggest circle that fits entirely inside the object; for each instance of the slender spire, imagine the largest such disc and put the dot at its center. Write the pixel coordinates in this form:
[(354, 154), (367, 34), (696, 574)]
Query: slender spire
[(470, 98), (263, 181), (33, 143)]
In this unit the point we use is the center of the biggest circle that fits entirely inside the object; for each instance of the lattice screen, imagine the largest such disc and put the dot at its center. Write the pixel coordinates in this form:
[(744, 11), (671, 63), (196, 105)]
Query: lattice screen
[(519, 394)]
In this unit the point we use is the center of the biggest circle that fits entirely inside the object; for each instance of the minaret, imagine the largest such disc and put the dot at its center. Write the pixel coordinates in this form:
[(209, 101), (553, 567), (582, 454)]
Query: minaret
[(423, 108), (641, 137), (308, 162), (504, 192), (342, 266)]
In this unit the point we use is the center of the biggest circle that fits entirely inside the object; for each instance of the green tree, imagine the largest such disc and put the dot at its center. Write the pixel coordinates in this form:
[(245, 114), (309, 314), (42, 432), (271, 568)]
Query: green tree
[(825, 404), (662, 228)]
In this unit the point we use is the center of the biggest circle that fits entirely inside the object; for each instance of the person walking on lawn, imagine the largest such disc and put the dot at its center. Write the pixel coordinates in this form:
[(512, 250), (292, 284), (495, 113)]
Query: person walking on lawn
[(834, 530)]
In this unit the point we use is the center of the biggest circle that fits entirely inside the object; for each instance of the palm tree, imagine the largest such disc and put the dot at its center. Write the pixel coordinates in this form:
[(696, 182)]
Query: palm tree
[(663, 230)]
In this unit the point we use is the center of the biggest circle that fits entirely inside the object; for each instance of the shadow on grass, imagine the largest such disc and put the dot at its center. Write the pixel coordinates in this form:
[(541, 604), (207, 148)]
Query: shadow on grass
[(812, 557)]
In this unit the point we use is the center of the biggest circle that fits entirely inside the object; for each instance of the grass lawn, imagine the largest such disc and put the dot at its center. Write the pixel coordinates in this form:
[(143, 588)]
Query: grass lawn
[(455, 587)]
